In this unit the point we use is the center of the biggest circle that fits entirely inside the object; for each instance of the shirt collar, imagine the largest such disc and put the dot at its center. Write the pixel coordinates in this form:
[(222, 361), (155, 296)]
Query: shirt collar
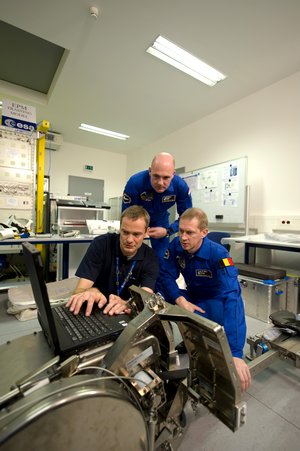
[(204, 250), (140, 255)]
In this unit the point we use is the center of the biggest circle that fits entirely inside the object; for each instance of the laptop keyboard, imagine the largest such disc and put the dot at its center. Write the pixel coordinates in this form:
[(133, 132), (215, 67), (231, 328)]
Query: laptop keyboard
[(81, 327)]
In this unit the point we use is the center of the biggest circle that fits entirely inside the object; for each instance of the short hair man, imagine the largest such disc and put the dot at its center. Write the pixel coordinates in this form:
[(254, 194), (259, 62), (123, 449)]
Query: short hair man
[(212, 287), (157, 190), (113, 262)]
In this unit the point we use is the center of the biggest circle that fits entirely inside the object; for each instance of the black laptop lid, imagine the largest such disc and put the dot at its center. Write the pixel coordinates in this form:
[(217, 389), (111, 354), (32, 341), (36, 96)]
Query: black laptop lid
[(54, 329), (35, 268)]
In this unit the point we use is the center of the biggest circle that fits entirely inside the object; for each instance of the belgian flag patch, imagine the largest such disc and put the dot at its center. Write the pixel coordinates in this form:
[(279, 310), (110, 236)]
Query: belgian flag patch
[(226, 262)]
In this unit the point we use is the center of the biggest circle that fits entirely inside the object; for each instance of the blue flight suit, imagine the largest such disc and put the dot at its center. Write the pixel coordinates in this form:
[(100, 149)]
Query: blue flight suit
[(211, 284), (139, 191)]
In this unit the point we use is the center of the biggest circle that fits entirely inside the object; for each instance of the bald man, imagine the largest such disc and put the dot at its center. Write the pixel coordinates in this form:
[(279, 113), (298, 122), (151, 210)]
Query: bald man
[(157, 190)]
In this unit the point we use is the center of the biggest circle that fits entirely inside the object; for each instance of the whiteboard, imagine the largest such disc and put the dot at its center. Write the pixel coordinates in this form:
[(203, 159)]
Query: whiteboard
[(220, 191)]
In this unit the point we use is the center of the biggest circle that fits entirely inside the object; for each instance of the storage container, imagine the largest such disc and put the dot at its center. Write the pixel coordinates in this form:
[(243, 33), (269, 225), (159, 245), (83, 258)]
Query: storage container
[(293, 294), (264, 290)]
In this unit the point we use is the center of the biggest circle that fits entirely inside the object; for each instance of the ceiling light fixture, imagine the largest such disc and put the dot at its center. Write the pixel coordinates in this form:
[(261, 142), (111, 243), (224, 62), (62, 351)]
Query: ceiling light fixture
[(102, 131), (170, 53)]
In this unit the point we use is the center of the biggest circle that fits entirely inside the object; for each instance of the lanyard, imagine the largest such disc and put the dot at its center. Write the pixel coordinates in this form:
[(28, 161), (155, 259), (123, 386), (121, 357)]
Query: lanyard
[(120, 288)]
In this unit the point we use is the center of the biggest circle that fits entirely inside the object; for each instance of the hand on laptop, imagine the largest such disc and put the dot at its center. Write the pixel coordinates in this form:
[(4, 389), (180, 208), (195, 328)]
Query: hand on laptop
[(116, 305), (90, 296)]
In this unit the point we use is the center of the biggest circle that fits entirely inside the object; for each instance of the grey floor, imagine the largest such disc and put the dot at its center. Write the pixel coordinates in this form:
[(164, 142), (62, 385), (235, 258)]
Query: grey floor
[(273, 403), (273, 413)]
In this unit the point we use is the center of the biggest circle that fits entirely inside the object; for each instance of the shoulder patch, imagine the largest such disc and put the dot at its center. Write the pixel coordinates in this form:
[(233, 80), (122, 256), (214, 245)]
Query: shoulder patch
[(126, 199), (147, 196), (226, 262), (167, 254), (181, 261)]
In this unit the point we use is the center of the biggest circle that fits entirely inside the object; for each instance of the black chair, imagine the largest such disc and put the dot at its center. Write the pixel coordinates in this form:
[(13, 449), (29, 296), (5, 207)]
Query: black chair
[(217, 237)]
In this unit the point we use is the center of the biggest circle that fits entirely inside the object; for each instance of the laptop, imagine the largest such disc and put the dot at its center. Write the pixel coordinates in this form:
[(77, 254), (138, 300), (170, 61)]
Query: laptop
[(65, 332)]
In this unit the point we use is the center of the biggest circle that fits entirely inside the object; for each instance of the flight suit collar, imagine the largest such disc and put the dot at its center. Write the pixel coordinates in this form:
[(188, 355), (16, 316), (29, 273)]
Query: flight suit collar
[(204, 250)]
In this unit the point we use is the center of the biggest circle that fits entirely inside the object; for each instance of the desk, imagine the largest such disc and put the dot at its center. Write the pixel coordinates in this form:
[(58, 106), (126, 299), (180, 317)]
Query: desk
[(55, 239), (261, 241)]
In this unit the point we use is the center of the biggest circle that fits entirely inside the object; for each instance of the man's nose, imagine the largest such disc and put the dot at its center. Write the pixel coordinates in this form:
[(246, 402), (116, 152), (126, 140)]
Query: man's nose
[(160, 179)]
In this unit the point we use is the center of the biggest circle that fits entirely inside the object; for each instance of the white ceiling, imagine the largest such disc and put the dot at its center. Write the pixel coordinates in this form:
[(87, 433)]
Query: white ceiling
[(108, 80)]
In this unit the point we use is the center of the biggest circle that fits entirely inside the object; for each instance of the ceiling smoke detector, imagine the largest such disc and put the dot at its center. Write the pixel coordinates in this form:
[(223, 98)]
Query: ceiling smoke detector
[(94, 12)]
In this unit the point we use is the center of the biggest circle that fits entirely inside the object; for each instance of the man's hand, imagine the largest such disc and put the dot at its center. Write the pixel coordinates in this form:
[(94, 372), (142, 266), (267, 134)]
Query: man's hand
[(189, 306), (157, 232), (243, 373), (91, 295), (116, 305)]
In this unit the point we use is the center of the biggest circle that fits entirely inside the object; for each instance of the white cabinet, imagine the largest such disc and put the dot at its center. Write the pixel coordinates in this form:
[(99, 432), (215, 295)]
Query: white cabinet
[(74, 218), (115, 208)]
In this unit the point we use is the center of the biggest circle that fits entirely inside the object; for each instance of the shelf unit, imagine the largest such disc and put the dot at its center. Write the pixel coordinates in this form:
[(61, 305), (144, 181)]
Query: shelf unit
[(74, 218), (17, 190), (17, 174)]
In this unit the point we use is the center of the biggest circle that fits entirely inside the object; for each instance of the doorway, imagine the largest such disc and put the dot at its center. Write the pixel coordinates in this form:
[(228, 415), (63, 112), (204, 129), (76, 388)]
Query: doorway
[(92, 189)]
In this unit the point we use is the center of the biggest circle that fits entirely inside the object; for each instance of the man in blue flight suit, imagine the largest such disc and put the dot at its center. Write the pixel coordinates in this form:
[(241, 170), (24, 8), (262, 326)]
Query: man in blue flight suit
[(212, 287), (157, 190)]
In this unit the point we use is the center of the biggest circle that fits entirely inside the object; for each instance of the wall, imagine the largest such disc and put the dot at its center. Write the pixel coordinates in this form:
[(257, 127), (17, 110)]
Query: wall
[(70, 160), (265, 127)]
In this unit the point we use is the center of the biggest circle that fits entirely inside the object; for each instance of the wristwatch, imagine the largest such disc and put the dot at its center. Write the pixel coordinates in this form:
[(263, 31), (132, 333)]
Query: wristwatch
[(169, 232)]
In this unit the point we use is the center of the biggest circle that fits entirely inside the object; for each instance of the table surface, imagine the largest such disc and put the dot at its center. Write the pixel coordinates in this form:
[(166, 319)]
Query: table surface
[(53, 239), (262, 239), (64, 242)]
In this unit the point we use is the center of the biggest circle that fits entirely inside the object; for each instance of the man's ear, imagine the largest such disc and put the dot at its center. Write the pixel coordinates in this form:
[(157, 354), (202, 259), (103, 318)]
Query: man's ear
[(204, 233)]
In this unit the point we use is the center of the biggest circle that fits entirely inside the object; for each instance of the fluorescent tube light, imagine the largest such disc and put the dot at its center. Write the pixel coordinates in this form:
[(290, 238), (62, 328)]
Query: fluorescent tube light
[(102, 131), (170, 53)]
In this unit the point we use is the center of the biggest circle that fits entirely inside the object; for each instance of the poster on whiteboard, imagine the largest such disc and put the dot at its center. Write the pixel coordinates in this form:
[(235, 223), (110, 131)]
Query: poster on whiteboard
[(220, 191)]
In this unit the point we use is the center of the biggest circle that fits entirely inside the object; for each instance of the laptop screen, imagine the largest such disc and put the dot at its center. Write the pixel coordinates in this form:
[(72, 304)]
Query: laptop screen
[(35, 268)]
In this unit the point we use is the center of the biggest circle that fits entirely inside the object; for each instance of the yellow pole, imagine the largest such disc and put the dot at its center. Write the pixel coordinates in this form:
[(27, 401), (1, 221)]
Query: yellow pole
[(41, 142), (43, 127)]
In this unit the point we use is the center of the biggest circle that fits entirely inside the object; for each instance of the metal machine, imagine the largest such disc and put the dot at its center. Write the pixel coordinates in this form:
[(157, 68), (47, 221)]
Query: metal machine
[(137, 392), (279, 342)]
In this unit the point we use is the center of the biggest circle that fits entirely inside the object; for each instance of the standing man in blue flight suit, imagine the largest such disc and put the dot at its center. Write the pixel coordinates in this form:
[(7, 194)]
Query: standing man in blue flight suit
[(157, 190), (212, 287)]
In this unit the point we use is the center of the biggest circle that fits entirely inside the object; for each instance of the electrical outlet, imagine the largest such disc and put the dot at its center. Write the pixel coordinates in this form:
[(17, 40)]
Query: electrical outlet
[(285, 222), (288, 224)]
